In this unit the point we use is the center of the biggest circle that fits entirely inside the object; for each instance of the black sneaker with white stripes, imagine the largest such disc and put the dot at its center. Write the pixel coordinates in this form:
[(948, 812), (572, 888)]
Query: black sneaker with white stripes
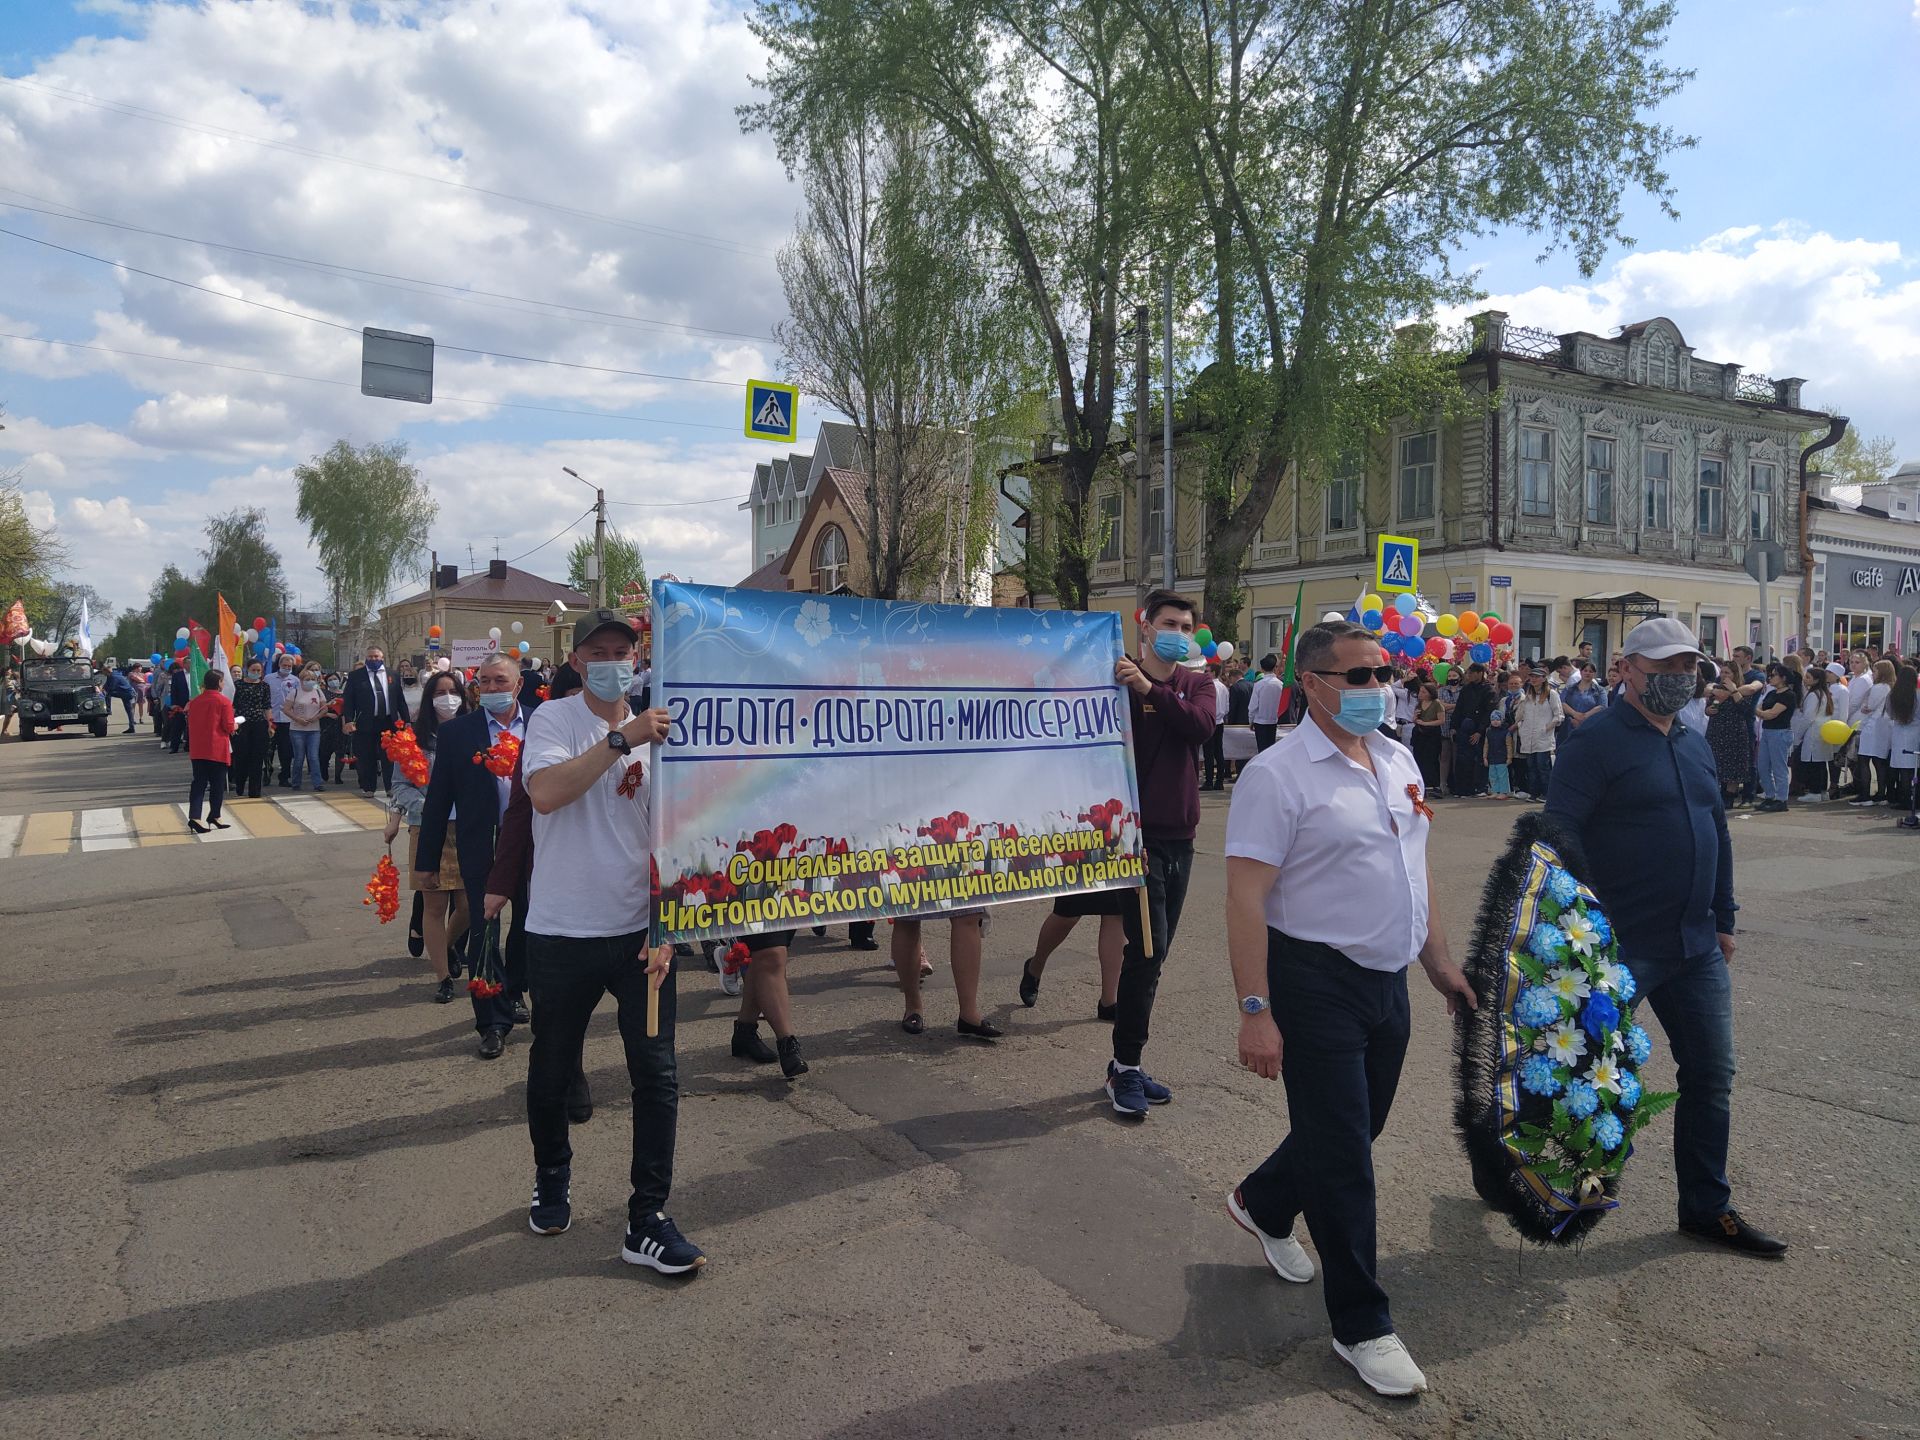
[(657, 1243), (552, 1208)]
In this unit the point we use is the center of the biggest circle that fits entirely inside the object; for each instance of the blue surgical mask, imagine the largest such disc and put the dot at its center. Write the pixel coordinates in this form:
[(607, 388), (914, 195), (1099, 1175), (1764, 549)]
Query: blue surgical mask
[(496, 702), (1361, 712), (1170, 645), (609, 680)]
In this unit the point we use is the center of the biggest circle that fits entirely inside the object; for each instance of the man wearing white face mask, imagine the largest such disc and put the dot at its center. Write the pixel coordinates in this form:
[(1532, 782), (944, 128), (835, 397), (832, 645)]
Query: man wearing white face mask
[(464, 790), (589, 910)]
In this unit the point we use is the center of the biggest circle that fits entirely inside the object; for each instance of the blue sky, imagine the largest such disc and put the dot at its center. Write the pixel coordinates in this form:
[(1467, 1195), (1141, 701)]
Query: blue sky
[(1796, 252)]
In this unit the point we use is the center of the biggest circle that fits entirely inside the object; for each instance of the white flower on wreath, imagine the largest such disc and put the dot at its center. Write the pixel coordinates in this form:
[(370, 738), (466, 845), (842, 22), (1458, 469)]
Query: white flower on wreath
[(1581, 934), (1565, 1043), (1569, 982), (1612, 975), (814, 622), (1605, 1075)]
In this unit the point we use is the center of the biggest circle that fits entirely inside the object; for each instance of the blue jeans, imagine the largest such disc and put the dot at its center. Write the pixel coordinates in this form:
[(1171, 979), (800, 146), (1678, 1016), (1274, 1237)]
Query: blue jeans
[(306, 751), (1539, 768), (1344, 1033), (1693, 997), (1774, 745)]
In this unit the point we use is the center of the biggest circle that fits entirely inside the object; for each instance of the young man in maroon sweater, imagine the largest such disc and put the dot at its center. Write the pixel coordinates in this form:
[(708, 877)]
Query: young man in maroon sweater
[(1172, 718)]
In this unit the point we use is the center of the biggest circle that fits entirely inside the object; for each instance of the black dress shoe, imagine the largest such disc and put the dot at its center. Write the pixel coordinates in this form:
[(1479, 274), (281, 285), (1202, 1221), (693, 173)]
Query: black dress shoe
[(747, 1044), (579, 1102), (444, 995), (864, 944), (492, 1043), (1109, 1013), (985, 1030), (416, 937), (1029, 985), (792, 1065), (521, 1015), (1736, 1234)]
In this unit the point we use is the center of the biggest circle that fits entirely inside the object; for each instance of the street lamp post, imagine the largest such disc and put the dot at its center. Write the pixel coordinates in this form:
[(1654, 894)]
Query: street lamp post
[(599, 538)]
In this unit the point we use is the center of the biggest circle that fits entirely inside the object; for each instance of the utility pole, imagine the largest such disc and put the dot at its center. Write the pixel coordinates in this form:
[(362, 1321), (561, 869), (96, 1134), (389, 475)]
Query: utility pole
[(1142, 399), (599, 576), (1168, 528)]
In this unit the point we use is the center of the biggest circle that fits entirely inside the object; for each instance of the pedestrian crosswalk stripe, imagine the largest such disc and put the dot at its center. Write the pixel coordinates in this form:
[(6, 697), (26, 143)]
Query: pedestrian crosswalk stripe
[(321, 819), (48, 834), (232, 832), (363, 812), (10, 828), (264, 819), (105, 830), (159, 825)]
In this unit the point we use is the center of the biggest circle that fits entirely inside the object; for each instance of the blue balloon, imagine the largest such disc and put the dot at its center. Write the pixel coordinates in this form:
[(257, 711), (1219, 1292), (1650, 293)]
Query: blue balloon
[(1372, 619), (156, 658), (1403, 603), (1482, 652), (1389, 643)]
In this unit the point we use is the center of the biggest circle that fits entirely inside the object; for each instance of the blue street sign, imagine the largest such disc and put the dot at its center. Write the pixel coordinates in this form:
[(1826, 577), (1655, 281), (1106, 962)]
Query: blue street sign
[(773, 411), (1501, 582)]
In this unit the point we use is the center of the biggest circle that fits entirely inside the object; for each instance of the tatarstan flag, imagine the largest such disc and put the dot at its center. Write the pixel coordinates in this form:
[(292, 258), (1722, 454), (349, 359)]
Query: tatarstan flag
[(1286, 650)]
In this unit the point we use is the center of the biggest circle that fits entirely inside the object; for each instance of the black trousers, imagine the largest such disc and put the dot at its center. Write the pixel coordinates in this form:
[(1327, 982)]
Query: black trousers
[(1169, 867), (375, 769), (1469, 775), (1344, 1033), (209, 784), (496, 1012), (177, 730), (1265, 735), (283, 749), (250, 743), (1215, 775), (567, 977)]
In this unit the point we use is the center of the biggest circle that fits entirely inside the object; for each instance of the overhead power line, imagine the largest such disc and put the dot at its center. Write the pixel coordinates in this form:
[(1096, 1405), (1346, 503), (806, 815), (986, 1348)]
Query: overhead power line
[(159, 117), (355, 330), (464, 294), (553, 537)]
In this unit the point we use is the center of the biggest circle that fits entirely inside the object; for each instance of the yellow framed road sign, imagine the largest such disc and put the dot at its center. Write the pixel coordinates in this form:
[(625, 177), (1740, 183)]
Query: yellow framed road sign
[(773, 411), (1396, 564)]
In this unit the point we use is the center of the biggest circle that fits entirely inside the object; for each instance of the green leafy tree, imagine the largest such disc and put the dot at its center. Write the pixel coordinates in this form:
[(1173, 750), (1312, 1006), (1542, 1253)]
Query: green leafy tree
[(1856, 460), (241, 564), (30, 555), (1340, 154), (624, 565), (61, 606), (368, 513)]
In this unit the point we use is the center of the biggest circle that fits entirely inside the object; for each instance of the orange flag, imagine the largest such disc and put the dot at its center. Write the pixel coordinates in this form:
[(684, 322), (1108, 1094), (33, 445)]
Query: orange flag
[(228, 635)]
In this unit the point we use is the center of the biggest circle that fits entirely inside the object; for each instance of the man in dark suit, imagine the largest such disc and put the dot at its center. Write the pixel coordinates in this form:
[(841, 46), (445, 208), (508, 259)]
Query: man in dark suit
[(179, 692), (464, 789), (374, 702)]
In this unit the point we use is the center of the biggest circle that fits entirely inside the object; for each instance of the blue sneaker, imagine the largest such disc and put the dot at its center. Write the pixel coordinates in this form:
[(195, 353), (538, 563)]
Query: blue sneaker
[(1156, 1093), (658, 1244), (1127, 1090), (552, 1208)]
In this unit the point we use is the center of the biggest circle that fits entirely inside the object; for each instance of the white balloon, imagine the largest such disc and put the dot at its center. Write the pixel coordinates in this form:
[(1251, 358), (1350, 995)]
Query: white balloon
[(494, 634), (1330, 616), (181, 633), (251, 634), (517, 627), (1225, 649)]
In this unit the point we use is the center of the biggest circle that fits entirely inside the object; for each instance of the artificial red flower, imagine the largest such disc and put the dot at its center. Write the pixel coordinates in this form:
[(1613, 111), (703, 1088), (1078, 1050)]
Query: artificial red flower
[(502, 756), (383, 889), (403, 748)]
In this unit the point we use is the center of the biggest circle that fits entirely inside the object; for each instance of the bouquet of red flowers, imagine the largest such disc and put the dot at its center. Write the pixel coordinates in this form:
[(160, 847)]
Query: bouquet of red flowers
[(503, 756), (403, 748), (737, 958), (383, 889), (485, 980)]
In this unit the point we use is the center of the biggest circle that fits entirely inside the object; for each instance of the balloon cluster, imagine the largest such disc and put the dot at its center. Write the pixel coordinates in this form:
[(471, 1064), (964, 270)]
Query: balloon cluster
[(1402, 629), (383, 889), (403, 748), (1215, 651)]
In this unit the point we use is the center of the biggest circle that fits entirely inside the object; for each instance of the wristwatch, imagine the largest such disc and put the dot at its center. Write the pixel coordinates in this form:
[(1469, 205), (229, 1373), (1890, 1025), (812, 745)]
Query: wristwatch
[(1255, 1005), (619, 743)]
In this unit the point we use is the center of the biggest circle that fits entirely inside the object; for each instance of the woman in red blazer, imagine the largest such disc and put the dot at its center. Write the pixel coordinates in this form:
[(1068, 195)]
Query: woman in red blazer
[(210, 726)]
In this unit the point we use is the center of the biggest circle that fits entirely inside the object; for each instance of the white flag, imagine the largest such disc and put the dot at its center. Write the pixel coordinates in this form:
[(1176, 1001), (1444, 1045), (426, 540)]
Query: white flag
[(85, 647), (218, 665)]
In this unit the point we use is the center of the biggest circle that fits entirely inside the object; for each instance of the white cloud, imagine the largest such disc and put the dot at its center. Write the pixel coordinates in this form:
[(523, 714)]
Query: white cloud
[(1843, 314)]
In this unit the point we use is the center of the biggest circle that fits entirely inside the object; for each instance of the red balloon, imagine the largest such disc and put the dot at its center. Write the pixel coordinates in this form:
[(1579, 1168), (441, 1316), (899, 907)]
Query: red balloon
[(259, 622), (1436, 647), (1500, 633)]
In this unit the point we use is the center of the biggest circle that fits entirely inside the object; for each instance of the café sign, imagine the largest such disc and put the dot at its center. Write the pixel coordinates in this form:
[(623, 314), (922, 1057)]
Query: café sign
[(1874, 577)]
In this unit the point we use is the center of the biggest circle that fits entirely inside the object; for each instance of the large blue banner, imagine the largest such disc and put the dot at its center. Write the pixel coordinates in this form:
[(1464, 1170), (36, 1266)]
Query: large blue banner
[(835, 759)]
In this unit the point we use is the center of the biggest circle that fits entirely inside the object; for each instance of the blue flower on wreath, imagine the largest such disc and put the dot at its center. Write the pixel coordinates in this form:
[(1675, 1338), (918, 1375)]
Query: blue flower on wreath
[(1619, 979), (1537, 1077), (1547, 944), (1598, 918), (1538, 1006), (1561, 886), (1599, 1015), (1639, 1044), (1629, 1089), (1582, 1099), (1609, 1131)]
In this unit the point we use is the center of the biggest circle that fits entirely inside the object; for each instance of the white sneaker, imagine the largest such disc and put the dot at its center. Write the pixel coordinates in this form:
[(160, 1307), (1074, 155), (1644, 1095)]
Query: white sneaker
[(730, 982), (1284, 1253), (1384, 1364)]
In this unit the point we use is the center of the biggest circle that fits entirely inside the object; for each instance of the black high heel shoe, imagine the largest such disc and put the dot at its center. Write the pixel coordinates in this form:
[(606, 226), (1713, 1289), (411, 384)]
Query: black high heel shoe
[(985, 1030)]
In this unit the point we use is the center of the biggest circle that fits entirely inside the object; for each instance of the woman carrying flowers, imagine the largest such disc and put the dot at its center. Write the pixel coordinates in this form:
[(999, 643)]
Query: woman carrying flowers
[(444, 921)]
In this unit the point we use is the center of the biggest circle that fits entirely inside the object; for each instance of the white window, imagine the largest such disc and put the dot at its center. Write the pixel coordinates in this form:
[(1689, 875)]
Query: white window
[(1658, 465), (1419, 456), (1343, 496), (1599, 480), (1709, 630), (1156, 517), (1760, 482), (830, 561), (788, 515), (1711, 512), (1533, 631), (1856, 630), (1536, 473), (1111, 540)]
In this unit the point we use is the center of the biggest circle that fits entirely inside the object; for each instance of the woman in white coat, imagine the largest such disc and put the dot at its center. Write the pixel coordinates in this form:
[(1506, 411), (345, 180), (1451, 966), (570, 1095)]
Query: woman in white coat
[(1876, 738), (1826, 700)]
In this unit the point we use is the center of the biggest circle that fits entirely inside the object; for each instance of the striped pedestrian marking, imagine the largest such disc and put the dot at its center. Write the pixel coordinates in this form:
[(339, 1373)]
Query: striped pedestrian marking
[(48, 834), (264, 819), (363, 812), (234, 831), (159, 825), (105, 830), (321, 819), (10, 828)]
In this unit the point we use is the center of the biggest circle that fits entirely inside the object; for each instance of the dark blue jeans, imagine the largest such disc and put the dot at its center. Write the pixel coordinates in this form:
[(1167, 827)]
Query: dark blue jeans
[(1169, 867), (1693, 998), (567, 977), (1343, 1032)]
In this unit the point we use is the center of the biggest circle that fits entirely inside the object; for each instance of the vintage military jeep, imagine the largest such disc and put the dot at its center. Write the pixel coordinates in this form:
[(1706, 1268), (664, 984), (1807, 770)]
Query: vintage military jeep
[(60, 692)]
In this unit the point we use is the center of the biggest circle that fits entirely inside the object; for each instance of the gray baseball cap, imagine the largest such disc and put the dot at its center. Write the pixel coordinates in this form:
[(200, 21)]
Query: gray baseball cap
[(1660, 639)]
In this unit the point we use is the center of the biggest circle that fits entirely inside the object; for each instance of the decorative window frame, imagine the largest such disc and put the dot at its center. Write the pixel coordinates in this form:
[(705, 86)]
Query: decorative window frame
[(1427, 527), (1600, 425)]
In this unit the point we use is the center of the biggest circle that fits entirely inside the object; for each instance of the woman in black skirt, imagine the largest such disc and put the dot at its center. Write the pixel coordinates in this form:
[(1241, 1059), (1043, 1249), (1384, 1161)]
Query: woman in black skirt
[(1730, 711)]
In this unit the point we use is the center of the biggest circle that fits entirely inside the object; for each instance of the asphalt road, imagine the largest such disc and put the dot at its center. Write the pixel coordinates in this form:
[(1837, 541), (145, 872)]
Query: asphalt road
[(259, 1186)]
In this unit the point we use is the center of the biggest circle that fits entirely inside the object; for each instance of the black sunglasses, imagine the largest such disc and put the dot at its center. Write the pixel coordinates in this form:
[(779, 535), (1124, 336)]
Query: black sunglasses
[(1360, 674)]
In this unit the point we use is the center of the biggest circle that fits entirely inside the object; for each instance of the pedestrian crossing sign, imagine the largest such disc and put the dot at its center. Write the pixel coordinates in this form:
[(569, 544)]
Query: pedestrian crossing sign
[(773, 411), (1396, 564)]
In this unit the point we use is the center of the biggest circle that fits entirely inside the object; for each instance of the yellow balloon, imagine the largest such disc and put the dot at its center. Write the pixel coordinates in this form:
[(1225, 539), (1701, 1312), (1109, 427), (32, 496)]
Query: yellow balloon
[(1480, 633), (1835, 732), (1371, 601), (1446, 624)]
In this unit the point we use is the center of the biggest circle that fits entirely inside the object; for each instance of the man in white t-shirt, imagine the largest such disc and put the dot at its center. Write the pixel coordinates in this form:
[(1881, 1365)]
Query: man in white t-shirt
[(1263, 706), (1327, 837), (588, 910)]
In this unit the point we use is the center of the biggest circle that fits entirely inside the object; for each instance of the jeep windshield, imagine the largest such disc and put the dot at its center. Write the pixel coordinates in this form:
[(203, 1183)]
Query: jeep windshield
[(56, 670)]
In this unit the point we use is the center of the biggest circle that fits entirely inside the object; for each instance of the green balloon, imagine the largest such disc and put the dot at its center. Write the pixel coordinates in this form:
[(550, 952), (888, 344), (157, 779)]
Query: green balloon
[(1440, 672), (1489, 614)]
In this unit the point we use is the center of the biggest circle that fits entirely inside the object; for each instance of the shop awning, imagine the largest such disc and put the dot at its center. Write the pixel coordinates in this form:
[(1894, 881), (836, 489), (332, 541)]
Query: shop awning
[(1624, 604)]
